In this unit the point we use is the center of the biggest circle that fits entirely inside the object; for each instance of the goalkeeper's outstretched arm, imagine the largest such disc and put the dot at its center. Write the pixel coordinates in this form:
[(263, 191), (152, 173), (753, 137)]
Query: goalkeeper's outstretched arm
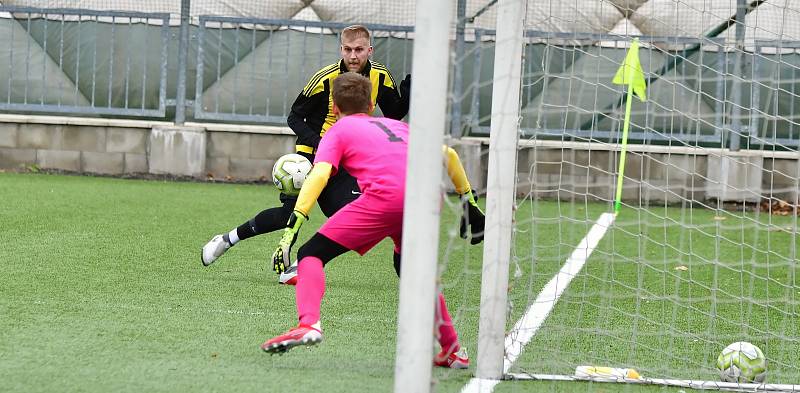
[(315, 182), (456, 172), (313, 185), (472, 217)]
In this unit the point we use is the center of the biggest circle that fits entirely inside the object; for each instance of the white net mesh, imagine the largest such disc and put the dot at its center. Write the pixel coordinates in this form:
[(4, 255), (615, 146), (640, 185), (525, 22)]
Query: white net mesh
[(703, 252), (344, 11)]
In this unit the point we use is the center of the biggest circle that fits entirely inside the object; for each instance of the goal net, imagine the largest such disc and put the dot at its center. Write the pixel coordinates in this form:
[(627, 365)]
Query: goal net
[(702, 252)]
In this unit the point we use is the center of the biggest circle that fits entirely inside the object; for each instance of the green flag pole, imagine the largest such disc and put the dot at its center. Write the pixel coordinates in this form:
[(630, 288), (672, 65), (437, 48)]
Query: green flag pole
[(629, 73), (621, 173)]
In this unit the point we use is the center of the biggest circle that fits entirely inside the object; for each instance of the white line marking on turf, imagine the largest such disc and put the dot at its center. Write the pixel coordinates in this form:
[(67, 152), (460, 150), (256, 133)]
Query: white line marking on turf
[(526, 327)]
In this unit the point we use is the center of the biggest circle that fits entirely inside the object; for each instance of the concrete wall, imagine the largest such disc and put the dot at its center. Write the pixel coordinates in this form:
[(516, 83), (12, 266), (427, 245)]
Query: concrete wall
[(91, 149), (547, 169), (125, 147), (653, 174)]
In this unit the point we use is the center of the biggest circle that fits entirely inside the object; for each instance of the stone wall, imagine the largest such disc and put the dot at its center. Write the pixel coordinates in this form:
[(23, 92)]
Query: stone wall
[(125, 147), (545, 169), (77, 148), (244, 155), (653, 174)]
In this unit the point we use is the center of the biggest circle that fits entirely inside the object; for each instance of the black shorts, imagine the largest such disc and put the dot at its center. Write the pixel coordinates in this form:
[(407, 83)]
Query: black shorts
[(342, 188)]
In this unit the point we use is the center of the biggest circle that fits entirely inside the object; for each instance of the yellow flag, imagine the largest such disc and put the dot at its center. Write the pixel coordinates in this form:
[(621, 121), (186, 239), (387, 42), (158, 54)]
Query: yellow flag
[(630, 72)]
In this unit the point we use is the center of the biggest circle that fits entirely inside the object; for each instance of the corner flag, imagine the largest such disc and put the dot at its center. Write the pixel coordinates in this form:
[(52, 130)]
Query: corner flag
[(629, 73)]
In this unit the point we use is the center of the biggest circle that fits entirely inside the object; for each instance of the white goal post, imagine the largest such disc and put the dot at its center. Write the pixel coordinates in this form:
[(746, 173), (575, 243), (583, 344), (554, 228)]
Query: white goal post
[(421, 218), (500, 187)]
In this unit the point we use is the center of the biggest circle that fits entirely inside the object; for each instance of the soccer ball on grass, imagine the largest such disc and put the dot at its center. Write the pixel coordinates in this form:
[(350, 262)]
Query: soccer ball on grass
[(742, 362), (290, 172)]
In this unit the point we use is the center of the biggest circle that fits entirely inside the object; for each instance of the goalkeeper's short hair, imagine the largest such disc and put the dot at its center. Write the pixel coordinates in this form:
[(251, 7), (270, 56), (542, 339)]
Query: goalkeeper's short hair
[(352, 93)]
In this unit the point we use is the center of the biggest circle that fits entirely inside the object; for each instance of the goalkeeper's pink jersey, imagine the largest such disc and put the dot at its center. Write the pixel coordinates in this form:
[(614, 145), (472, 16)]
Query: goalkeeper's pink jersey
[(374, 150)]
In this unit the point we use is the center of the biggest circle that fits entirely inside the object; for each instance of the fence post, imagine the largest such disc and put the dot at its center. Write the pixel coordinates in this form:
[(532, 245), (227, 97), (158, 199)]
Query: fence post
[(738, 74), (458, 70), (183, 49)]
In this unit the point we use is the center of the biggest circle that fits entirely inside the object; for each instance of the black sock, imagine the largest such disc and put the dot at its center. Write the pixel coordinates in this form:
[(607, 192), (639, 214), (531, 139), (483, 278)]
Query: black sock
[(265, 222)]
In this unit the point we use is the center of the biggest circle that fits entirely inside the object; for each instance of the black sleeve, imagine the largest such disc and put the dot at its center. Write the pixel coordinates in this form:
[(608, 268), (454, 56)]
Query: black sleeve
[(392, 103), (302, 118)]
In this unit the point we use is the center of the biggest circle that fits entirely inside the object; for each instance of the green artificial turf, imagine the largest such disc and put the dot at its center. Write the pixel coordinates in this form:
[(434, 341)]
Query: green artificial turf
[(103, 290)]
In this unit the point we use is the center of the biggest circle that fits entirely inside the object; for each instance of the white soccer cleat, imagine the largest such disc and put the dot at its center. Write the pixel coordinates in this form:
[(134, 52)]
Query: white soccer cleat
[(213, 250), (289, 277)]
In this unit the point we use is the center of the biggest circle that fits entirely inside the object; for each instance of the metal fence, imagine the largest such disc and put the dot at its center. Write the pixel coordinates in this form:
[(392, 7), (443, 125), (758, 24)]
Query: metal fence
[(570, 94), (271, 60), (700, 91), (79, 62), (249, 70), (775, 97)]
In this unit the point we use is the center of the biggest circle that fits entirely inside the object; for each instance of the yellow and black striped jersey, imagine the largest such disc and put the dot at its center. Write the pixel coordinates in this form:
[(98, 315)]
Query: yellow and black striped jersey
[(312, 112)]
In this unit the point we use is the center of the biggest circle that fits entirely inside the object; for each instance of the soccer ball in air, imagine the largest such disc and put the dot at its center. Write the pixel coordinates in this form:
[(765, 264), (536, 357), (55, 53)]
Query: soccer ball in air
[(742, 362), (290, 172)]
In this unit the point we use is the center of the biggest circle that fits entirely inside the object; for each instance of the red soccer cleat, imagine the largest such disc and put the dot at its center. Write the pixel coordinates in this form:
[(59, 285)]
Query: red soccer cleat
[(300, 335), (458, 359)]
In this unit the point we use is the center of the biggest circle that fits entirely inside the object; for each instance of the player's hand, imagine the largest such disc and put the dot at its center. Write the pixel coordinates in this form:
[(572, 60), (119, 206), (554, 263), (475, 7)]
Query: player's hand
[(282, 256), (472, 218), (405, 86)]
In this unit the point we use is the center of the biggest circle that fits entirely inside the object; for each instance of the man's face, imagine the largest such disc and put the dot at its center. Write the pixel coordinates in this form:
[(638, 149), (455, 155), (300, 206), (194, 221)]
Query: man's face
[(355, 53)]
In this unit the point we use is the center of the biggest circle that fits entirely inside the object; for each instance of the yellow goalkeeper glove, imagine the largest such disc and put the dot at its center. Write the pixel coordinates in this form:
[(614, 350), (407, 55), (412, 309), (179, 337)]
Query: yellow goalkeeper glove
[(281, 258)]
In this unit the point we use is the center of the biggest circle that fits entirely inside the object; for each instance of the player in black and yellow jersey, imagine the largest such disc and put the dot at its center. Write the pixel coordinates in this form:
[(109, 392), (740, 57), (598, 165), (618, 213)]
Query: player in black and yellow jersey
[(312, 111), (312, 115)]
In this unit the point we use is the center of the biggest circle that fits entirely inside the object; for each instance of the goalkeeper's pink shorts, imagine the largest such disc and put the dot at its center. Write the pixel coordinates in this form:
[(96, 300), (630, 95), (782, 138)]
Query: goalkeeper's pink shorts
[(362, 224)]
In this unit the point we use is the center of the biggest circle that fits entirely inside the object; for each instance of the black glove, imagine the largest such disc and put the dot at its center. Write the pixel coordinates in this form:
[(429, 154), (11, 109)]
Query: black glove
[(472, 217), (405, 87)]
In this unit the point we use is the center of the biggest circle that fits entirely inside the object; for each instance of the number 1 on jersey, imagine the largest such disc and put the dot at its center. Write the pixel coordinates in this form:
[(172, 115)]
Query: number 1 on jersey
[(387, 131)]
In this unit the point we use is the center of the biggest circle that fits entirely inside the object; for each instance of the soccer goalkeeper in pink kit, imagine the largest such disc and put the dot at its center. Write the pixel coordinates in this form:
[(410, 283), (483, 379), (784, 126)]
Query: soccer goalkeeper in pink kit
[(374, 150)]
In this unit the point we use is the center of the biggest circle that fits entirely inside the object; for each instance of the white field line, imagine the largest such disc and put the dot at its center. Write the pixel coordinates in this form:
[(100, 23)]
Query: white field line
[(526, 327)]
